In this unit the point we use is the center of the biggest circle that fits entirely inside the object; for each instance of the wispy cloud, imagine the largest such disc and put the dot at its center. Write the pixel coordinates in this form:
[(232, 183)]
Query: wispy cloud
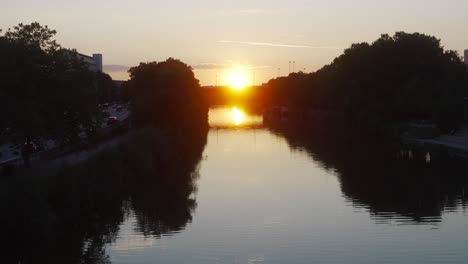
[(116, 68), (221, 66), (210, 66), (282, 45)]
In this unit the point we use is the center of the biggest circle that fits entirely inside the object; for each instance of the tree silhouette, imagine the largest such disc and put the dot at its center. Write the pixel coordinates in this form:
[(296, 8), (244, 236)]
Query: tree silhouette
[(45, 90), (106, 88), (394, 79), (166, 94)]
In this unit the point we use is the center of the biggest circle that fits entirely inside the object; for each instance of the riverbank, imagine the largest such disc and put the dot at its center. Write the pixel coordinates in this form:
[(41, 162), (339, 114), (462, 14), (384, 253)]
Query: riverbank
[(71, 154), (423, 137), (70, 213), (453, 144), (10, 154)]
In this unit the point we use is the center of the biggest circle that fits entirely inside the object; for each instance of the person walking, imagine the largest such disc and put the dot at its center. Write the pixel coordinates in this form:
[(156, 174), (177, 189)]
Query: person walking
[(26, 152)]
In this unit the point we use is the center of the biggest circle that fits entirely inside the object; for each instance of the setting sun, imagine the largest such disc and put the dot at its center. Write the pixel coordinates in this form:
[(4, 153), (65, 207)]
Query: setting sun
[(238, 79)]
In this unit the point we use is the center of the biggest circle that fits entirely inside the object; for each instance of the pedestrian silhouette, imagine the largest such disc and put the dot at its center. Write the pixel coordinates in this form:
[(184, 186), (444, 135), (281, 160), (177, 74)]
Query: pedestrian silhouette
[(26, 152)]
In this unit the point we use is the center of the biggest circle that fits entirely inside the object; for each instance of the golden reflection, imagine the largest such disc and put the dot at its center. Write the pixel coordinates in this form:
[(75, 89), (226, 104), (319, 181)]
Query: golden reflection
[(232, 116), (238, 116)]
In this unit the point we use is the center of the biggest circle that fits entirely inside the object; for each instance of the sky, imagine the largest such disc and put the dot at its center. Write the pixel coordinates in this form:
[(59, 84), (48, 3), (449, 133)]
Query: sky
[(214, 36)]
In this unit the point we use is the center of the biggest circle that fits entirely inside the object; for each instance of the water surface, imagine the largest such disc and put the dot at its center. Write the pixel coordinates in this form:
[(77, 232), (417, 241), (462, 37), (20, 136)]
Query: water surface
[(279, 196)]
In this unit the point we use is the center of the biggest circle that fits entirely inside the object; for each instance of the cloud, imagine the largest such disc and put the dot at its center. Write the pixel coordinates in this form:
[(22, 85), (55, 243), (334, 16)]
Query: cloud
[(210, 66), (116, 68), (279, 45), (221, 66)]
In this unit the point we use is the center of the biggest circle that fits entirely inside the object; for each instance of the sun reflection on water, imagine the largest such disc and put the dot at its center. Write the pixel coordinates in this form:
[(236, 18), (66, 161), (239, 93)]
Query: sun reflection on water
[(232, 116), (238, 116)]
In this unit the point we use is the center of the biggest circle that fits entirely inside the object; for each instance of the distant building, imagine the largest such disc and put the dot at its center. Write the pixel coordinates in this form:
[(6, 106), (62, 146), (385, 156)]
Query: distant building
[(94, 62), (466, 57)]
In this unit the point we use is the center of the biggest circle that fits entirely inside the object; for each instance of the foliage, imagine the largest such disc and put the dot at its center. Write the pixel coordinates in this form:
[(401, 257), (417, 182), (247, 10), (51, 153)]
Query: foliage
[(125, 89), (45, 90), (404, 77), (106, 88), (166, 94)]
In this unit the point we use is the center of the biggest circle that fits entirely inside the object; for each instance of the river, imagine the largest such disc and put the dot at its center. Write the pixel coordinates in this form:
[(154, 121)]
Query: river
[(278, 196)]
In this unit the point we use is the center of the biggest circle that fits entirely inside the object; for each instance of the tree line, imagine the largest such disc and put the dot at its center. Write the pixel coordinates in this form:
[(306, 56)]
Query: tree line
[(394, 79), (48, 91)]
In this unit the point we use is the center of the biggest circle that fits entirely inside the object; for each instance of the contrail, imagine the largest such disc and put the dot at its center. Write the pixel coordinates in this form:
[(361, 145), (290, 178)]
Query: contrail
[(216, 66), (279, 45)]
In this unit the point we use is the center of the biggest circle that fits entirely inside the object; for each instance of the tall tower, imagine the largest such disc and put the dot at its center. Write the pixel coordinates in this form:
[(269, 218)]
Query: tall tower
[(98, 60), (466, 57)]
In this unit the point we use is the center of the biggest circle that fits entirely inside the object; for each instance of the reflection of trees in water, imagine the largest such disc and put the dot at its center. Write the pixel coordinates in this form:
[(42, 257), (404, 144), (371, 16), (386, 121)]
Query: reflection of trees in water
[(376, 177), (73, 217), (163, 205)]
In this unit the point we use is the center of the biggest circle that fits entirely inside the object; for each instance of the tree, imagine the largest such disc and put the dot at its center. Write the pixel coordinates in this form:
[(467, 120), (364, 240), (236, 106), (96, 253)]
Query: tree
[(107, 90), (394, 79), (166, 94), (45, 90)]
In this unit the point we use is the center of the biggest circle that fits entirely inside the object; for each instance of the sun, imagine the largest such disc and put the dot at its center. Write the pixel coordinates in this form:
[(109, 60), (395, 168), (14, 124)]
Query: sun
[(238, 79)]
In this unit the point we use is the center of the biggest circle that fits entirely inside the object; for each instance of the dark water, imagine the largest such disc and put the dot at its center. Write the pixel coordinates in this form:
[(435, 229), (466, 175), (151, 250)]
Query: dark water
[(278, 197), (245, 193)]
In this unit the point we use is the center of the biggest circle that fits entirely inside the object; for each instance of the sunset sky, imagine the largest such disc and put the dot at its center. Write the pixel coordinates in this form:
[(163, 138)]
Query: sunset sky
[(215, 35)]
